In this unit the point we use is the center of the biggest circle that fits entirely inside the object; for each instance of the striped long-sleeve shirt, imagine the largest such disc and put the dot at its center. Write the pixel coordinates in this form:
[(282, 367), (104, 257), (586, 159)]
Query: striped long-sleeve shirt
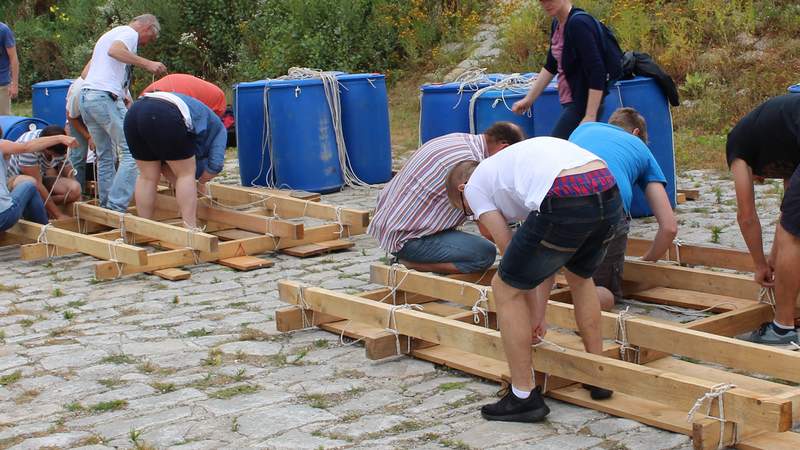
[(414, 204)]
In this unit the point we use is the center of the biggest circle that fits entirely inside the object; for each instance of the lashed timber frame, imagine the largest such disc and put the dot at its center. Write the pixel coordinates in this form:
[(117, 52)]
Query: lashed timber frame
[(655, 388), (230, 232)]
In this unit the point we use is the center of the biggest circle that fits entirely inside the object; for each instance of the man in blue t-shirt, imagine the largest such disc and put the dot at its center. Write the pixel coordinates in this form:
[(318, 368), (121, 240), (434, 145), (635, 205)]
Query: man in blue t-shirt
[(621, 144), (9, 69)]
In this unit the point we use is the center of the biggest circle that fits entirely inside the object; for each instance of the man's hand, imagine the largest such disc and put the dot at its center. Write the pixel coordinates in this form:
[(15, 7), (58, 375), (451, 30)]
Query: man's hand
[(520, 106), (90, 143), (589, 118), (764, 276), (13, 90), (69, 141), (156, 68), (206, 177), (539, 330)]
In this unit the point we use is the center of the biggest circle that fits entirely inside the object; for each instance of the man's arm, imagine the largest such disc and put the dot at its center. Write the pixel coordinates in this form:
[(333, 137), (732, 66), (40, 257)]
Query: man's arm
[(542, 80), (497, 226), (13, 60), (121, 53), (80, 127), (36, 145), (659, 203), (749, 224)]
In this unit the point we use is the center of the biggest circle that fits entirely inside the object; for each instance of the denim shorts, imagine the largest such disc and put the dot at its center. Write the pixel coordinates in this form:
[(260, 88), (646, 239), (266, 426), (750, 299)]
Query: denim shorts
[(469, 252), (609, 274), (571, 232), (790, 206)]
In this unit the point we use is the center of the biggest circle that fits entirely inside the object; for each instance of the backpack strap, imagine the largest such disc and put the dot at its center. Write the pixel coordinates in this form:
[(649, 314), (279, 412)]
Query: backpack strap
[(600, 34)]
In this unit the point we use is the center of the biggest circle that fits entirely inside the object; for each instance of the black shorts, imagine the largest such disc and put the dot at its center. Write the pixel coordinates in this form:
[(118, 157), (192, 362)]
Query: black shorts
[(155, 131), (609, 274), (790, 207)]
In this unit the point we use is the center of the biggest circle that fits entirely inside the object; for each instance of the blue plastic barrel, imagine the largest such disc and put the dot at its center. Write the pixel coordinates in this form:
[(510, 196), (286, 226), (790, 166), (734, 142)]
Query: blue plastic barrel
[(365, 124), (494, 105), (546, 111), (16, 126), (795, 88), (304, 150), (50, 101), (251, 138), (444, 110)]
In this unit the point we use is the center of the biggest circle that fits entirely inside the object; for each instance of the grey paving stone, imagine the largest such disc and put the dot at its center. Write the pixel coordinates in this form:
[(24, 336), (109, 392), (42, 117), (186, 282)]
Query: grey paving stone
[(490, 434), (255, 348), (650, 439), (156, 402), (369, 401), (161, 347), (440, 400), (199, 445), (299, 440), (272, 420), (79, 358), (223, 407), (563, 442), (23, 429), (125, 393), (53, 440), (368, 425), (607, 427), (123, 427)]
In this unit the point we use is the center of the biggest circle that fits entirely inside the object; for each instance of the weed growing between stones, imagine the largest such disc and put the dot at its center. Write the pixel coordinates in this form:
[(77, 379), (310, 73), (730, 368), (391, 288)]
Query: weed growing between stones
[(716, 231), (235, 425), (69, 315), (455, 444), (2, 336), (76, 304), (8, 287), (444, 387), (110, 382), (214, 357), (57, 292), (119, 358), (11, 378), (163, 388), (74, 407), (112, 405), (200, 332), (233, 391)]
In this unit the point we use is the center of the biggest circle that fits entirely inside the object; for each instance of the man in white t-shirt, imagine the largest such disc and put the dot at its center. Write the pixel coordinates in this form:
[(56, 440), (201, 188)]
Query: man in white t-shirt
[(102, 104), (76, 128), (571, 205)]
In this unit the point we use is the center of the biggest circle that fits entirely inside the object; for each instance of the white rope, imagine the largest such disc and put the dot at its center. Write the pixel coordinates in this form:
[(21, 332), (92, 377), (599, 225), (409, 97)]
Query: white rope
[(123, 232), (58, 177), (678, 243), (625, 348), (767, 295), (470, 80), (543, 342), (391, 326), (42, 238), (76, 211), (717, 392), (303, 305), (514, 84), (683, 311), (338, 220), (112, 252), (478, 310), (393, 283), (190, 241)]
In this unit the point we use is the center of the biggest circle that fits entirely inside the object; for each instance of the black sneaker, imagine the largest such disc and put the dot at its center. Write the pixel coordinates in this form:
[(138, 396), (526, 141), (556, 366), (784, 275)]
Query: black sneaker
[(598, 393), (513, 409)]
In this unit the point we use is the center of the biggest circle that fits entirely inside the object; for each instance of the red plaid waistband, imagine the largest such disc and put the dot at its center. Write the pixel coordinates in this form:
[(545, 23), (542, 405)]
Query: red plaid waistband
[(582, 184)]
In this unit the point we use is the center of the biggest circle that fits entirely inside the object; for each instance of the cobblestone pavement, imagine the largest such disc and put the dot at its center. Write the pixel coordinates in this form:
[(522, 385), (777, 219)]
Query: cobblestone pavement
[(145, 363)]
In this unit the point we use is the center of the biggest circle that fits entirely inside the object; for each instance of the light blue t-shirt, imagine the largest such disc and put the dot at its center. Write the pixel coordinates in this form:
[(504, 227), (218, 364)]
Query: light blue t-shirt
[(627, 156)]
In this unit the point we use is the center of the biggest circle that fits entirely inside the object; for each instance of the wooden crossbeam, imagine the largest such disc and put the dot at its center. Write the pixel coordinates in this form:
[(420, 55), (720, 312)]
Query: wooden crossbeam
[(241, 220), (164, 232), (697, 255), (36, 251), (90, 245), (700, 280), (291, 207), (248, 246), (690, 194), (642, 332), (675, 390)]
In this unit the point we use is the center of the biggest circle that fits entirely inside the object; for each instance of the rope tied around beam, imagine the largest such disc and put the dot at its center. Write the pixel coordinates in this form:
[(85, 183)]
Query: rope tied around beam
[(123, 232), (678, 243), (339, 221), (190, 241), (391, 326), (393, 284), (303, 305), (483, 298), (767, 295), (76, 211), (717, 393), (112, 253), (42, 239), (542, 342), (627, 352)]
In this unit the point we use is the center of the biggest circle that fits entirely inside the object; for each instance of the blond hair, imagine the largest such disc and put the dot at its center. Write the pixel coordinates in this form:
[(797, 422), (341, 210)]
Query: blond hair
[(629, 119)]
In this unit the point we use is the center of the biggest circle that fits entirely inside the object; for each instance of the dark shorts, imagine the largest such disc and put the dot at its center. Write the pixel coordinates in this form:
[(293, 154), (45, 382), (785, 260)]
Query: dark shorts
[(155, 131), (609, 274), (790, 207), (571, 232)]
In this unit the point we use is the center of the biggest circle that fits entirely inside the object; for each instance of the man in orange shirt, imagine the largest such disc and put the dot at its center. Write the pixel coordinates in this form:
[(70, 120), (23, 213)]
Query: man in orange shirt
[(208, 93)]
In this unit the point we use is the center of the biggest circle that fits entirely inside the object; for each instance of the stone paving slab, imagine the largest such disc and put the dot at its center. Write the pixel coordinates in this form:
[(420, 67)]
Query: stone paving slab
[(198, 364)]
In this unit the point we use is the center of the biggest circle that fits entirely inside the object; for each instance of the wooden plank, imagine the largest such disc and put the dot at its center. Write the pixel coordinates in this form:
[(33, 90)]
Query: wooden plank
[(735, 322), (697, 255), (231, 235), (36, 251), (250, 246), (488, 368), (662, 275), (241, 220), (245, 263), (164, 232), (680, 198), (97, 247), (291, 207), (173, 274), (677, 390), (771, 441), (318, 248), (690, 194), (302, 195), (689, 299)]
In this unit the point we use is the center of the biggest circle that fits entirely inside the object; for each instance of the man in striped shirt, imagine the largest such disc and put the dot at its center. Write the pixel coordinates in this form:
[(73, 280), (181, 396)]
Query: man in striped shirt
[(49, 168), (414, 220)]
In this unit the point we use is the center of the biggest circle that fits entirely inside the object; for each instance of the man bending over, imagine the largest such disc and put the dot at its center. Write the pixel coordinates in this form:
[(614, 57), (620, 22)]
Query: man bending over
[(413, 219)]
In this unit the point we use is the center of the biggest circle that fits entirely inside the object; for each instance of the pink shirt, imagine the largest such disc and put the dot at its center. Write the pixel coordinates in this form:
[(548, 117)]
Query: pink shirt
[(557, 47)]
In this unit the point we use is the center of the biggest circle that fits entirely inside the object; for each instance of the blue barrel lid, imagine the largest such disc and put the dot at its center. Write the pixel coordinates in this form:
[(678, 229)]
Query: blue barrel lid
[(499, 93), (795, 88), (359, 76), (451, 87), (52, 83)]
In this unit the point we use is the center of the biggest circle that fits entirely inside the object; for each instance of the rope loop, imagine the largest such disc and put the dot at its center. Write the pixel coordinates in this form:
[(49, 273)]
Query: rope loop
[(484, 310), (767, 295), (391, 326), (627, 352), (717, 392)]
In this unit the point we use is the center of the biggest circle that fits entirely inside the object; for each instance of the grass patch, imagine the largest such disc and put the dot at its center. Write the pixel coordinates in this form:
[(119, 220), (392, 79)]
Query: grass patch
[(455, 444), (214, 357), (233, 391), (444, 387), (57, 292), (11, 378), (163, 388), (3, 336), (319, 401), (69, 315), (322, 343), (76, 304), (250, 334), (110, 382), (119, 358), (112, 405), (74, 407), (26, 323), (198, 333)]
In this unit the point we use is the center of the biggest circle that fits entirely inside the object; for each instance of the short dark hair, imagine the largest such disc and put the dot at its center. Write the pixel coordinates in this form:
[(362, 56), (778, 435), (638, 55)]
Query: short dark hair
[(629, 119), (507, 132), (457, 176), (55, 130)]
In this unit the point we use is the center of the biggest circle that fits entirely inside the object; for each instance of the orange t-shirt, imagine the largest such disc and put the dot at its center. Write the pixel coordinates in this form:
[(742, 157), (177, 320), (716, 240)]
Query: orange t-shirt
[(208, 93)]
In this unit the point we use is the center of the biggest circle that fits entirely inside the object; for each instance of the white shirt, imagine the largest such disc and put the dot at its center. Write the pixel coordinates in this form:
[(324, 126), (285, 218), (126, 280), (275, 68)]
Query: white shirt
[(178, 102), (516, 180), (107, 73), (73, 98)]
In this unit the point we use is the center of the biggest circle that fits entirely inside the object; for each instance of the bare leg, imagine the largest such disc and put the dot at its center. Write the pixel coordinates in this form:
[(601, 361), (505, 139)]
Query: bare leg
[(787, 283), (514, 319), (587, 311), (606, 298), (185, 189), (66, 190), (149, 174)]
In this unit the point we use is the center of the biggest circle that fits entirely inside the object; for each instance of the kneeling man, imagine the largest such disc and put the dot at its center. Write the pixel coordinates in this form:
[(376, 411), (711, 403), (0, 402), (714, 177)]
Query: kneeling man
[(571, 205)]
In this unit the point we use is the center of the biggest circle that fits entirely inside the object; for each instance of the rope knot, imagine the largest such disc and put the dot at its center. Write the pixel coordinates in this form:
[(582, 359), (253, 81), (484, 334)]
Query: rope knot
[(478, 310), (717, 392), (391, 326), (627, 352)]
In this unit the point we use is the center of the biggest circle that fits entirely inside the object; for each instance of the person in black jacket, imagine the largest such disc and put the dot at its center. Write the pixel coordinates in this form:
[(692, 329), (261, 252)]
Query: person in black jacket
[(576, 56)]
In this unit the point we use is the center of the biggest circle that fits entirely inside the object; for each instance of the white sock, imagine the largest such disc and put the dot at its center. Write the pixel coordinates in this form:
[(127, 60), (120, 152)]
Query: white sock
[(782, 327), (520, 394)]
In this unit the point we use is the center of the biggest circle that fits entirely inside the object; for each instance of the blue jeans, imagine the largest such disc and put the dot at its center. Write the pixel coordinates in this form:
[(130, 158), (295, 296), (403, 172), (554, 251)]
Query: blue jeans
[(26, 203), (104, 118), (77, 158), (470, 253), (571, 232)]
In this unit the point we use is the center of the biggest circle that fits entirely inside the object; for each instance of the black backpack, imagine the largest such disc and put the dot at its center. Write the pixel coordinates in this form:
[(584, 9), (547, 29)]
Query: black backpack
[(612, 53)]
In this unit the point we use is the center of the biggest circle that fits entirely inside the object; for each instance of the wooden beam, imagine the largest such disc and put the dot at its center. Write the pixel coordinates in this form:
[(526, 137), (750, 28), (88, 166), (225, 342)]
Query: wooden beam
[(241, 220), (691, 194), (36, 251), (249, 246), (689, 299), (641, 332), (663, 275), (675, 390), (150, 228), (90, 245), (697, 255), (287, 207)]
